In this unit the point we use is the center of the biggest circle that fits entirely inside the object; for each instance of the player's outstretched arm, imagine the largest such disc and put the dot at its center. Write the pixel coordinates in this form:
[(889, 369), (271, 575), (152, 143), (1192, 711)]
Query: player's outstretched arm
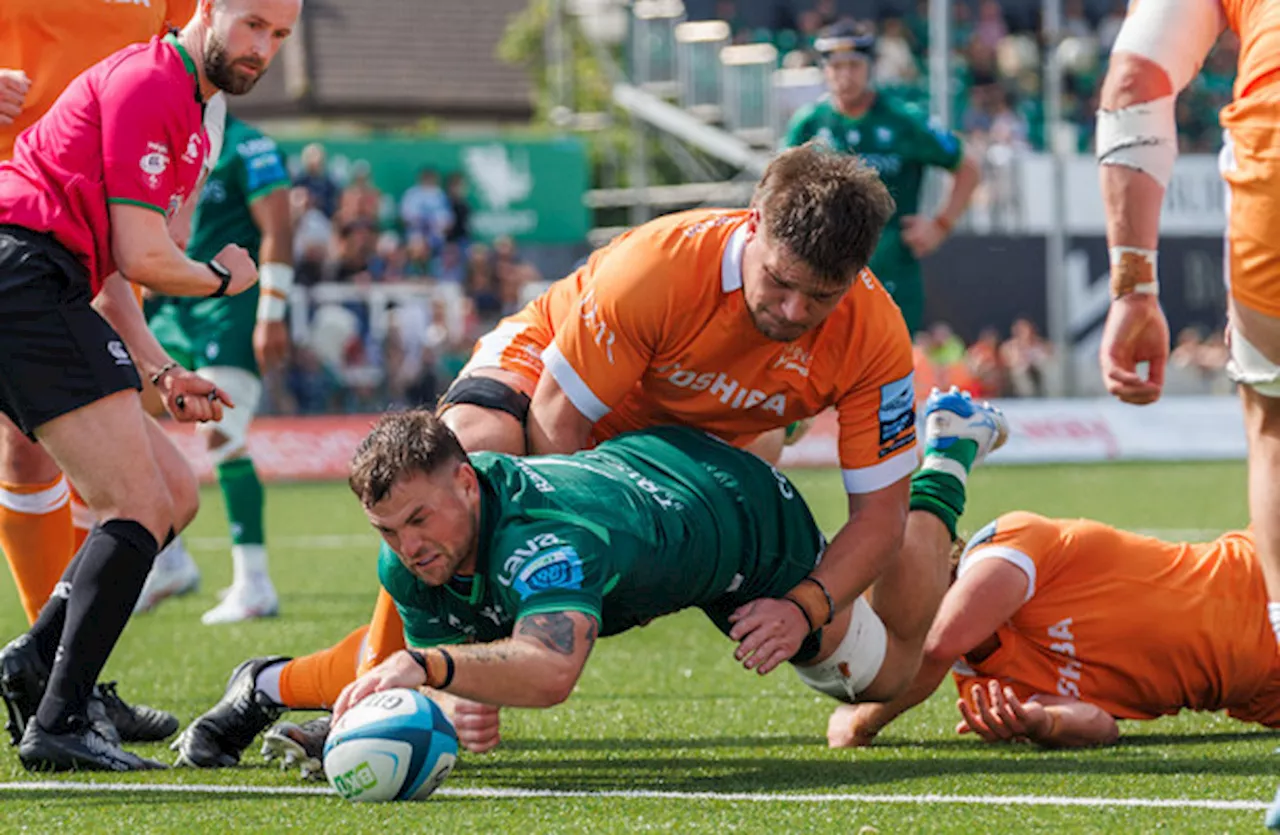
[(1158, 51), (537, 666), (996, 714)]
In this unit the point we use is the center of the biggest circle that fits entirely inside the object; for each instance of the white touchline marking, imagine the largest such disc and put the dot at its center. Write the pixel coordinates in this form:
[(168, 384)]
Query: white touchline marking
[(731, 797)]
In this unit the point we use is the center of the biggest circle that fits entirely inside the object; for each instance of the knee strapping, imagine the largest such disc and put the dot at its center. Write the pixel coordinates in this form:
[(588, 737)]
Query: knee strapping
[(854, 664)]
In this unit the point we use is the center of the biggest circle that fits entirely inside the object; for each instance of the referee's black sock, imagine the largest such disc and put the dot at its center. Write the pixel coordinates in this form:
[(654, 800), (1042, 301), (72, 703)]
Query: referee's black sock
[(47, 630), (113, 566)]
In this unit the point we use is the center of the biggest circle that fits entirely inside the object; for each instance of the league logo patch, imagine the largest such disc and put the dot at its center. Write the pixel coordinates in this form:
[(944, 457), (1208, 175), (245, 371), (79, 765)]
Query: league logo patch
[(557, 569), (154, 162), (897, 407)]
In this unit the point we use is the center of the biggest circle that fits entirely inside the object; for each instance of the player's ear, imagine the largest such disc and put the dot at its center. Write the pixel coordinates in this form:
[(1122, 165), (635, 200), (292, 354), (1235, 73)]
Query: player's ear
[(466, 482), (753, 222)]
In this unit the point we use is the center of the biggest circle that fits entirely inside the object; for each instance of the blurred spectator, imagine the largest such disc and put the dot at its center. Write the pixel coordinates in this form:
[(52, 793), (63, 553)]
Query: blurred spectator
[(361, 200), (1027, 356), (991, 27), (942, 346), (985, 368), (425, 209), (460, 229), (1075, 23), (388, 261), (1007, 127), (894, 62), (418, 262), (451, 267), (481, 288), (356, 244), (313, 386), (316, 180)]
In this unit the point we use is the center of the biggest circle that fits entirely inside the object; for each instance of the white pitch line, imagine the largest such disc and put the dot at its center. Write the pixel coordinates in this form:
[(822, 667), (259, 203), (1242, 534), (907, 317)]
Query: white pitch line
[(725, 797)]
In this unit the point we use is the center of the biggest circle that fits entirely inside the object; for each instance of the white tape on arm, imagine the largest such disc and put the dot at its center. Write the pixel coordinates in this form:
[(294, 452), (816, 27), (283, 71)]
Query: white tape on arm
[(1142, 136), (274, 283)]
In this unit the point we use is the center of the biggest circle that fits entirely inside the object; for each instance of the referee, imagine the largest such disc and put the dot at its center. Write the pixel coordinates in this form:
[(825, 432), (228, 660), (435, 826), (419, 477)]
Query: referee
[(83, 204)]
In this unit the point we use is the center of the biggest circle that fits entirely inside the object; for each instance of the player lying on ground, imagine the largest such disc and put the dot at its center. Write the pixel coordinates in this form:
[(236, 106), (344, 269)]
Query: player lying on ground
[(528, 560), (735, 322), (87, 193), (1056, 628)]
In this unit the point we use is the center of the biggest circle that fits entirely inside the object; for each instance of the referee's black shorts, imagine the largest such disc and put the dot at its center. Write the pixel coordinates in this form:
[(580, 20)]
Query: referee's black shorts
[(56, 353)]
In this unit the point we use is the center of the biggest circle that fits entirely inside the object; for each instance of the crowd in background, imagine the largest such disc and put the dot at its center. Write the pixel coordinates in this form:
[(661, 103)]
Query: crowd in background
[(996, 67), (349, 233)]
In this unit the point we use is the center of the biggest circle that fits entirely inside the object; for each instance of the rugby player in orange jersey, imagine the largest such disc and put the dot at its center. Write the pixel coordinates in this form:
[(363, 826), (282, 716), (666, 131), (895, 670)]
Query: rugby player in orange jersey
[(44, 44), (1056, 628), (1158, 51), (736, 322)]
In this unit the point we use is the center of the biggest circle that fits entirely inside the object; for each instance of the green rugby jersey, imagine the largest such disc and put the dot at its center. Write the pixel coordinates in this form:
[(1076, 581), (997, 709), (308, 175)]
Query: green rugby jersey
[(643, 525), (900, 144)]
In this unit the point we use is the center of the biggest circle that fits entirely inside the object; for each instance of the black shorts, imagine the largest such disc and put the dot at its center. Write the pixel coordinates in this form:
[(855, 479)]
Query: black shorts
[(56, 353)]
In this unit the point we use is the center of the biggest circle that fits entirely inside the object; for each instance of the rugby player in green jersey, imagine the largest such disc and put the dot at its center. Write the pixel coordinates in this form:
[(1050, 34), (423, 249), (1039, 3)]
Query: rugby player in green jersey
[(230, 341), (855, 118)]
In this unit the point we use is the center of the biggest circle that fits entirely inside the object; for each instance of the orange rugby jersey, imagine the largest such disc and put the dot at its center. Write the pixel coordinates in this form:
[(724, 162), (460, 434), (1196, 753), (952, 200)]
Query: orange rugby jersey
[(654, 330), (1137, 626), (53, 41)]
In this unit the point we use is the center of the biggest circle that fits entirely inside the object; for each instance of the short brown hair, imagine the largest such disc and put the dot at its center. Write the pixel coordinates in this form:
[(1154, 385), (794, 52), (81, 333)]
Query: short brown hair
[(399, 445), (827, 209)]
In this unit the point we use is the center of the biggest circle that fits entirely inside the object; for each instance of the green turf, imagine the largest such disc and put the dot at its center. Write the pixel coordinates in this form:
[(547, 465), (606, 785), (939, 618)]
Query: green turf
[(666, 709)]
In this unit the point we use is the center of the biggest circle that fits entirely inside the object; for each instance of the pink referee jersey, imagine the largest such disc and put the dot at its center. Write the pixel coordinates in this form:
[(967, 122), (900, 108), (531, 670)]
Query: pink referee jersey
[(128, 130)]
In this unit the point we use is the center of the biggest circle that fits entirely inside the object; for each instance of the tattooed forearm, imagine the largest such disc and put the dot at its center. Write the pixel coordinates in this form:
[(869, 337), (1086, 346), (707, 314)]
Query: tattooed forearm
[(554, 631)]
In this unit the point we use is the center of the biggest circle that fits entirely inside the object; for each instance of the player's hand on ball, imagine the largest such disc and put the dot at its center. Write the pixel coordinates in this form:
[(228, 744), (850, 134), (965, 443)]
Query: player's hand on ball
[(270, 344), (244, 273), (477, 725), (1136, 331), (14, 85), (399, 670), (768, 632), (1002, 717), (191, 398)]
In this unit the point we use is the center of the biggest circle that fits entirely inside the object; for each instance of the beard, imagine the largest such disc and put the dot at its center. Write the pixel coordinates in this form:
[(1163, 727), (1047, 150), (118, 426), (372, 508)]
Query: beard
[(219, 68)]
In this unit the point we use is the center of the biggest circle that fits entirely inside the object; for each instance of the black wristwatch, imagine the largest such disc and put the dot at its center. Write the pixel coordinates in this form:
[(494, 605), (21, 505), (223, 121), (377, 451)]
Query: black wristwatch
[(222, 273)]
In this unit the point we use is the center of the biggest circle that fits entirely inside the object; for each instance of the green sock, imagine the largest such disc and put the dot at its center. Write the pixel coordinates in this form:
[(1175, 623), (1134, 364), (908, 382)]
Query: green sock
[(242, 492), (939, 493)]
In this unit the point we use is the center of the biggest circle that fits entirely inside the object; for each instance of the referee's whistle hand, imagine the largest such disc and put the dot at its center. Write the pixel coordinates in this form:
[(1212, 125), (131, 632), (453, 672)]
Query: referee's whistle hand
[(244, 273), (13, 92)]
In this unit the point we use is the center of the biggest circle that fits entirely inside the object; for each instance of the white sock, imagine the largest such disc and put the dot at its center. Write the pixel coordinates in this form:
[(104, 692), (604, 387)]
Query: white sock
[(249, 564), (267, 681), (1273, 612)]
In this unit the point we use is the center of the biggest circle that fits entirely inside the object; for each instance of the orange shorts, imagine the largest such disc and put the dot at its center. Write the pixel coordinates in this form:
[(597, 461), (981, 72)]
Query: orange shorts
[(515, 346), (1250, 163)]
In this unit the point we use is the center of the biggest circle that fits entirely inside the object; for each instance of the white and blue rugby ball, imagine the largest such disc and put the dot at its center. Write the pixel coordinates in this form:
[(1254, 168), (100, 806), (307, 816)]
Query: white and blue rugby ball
[(393, 745)]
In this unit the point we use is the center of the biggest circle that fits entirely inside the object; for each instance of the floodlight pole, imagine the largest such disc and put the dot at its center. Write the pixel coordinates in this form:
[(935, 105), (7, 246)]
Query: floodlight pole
[(1057, 293)]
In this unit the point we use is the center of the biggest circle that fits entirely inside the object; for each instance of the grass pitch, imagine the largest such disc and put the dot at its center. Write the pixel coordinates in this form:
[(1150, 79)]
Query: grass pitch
[(665, 732)]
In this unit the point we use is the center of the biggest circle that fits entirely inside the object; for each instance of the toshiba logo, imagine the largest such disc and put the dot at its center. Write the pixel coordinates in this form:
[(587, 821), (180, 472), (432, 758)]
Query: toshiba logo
[(720, 385)]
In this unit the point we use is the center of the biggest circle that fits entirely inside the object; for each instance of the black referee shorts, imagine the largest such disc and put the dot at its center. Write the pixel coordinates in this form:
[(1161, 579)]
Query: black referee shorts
[(56, 353)]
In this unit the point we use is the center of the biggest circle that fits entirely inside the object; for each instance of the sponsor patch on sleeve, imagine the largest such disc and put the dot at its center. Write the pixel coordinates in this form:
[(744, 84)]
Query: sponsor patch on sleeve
[(559, 569), (897, 407)]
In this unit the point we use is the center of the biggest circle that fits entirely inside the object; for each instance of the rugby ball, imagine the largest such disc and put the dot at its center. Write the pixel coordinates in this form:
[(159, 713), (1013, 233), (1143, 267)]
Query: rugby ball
[(393, 745)]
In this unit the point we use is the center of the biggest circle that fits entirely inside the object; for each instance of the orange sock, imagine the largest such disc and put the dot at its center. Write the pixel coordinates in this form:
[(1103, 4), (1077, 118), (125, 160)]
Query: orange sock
[(315, 681), (82, 519), (35, 535), (386, 633)]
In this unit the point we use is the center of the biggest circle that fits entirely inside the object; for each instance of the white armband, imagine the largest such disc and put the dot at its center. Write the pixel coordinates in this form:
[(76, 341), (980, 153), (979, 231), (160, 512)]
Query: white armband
[(274, 283), (1142, 136)]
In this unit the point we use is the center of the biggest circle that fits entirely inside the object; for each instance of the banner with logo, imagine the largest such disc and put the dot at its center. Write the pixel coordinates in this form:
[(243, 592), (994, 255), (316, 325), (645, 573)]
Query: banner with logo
[(1070, 431), (530, 189)]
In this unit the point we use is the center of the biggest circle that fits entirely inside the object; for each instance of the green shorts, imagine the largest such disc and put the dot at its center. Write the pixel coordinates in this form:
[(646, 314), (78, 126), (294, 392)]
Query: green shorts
[(200, 333)]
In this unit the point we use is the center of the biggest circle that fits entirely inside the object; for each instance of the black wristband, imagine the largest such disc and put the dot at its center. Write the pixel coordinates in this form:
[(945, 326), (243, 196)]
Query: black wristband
[(803, 613), (421, 661), (448, 669), (223, 274), (831, 604)]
